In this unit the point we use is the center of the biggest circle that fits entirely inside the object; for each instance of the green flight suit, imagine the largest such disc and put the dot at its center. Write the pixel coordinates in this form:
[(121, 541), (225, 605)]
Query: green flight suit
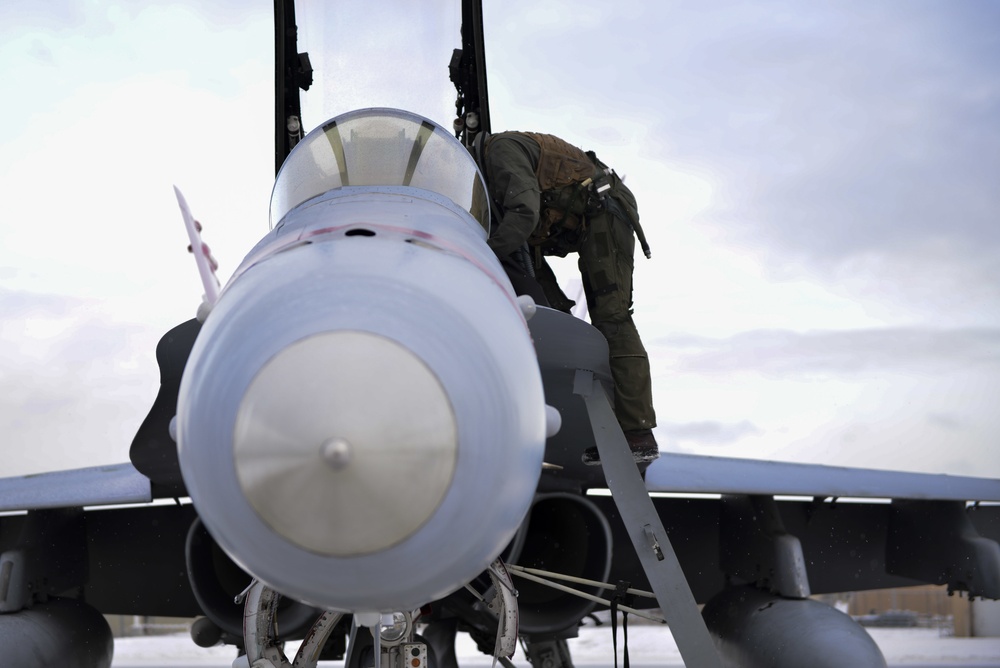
[(605, 244)]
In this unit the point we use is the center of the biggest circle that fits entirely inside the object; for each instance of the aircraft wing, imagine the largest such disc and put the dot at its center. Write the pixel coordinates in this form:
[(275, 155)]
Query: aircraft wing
[(698, 474), (374, 313), (91, 486)]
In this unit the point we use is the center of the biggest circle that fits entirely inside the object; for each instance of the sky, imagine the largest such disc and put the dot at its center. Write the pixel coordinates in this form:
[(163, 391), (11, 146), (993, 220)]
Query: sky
[(818, 182)]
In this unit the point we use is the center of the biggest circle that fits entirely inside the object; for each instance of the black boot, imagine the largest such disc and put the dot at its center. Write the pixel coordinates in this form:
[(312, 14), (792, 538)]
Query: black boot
[(641, 442)]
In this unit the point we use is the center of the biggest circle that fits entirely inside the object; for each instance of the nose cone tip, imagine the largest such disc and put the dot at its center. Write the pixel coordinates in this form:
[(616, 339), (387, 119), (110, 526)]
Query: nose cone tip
[(345, 443), (336, 453)]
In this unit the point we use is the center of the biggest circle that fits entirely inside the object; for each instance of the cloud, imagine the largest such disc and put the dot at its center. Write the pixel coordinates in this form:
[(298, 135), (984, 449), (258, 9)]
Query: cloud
[(841, 128), (27, 15), (792, 354), (74, 382), (853, 144), (709, 432), (872, 143), (379, 54), (947, 421)]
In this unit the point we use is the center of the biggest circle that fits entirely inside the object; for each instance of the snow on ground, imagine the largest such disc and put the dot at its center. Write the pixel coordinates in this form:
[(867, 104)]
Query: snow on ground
[(907, 647), (647, 645)]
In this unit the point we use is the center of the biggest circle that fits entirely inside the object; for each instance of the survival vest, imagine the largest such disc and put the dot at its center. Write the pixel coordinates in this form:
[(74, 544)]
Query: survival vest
[(565, 175)]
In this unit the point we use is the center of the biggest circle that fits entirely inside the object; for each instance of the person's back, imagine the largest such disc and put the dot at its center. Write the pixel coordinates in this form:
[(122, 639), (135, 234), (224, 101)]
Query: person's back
[(553, 199)]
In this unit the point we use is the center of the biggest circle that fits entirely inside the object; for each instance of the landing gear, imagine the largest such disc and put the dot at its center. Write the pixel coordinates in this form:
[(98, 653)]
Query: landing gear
[(260, 633), (389, 641), (553, 653), (376, 640)]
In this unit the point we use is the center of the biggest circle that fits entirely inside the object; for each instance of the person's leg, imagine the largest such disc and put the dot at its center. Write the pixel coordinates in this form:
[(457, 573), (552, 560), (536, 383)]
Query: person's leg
[(606, 258)]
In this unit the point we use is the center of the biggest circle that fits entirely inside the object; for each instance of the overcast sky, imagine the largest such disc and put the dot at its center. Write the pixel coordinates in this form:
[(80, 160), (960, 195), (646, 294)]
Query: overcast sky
[(818, 181)]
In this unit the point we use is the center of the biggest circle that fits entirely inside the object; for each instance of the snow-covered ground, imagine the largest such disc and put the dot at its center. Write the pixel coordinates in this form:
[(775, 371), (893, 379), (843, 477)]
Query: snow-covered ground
[(649, 645)]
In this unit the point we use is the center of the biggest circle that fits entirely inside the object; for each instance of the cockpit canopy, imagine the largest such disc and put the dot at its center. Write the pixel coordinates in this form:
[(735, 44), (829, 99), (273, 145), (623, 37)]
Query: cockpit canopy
[(380, 147)]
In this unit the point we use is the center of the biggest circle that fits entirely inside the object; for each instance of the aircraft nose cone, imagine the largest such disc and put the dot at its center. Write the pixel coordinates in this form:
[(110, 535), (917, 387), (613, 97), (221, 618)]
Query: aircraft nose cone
[(345, 443)]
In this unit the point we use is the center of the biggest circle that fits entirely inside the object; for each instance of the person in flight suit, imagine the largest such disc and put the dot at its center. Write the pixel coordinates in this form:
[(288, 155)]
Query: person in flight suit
[(551, 198)]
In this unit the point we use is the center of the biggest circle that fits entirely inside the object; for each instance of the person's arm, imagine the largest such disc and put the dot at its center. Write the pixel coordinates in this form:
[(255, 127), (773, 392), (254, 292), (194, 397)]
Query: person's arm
[(514, 186)]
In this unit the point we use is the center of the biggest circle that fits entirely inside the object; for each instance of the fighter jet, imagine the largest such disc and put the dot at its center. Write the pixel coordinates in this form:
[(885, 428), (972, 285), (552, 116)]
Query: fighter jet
[(374, 444)]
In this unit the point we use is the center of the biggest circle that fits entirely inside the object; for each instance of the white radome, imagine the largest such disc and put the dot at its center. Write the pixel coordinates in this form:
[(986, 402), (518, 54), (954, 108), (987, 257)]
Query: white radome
[(361, 422)]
